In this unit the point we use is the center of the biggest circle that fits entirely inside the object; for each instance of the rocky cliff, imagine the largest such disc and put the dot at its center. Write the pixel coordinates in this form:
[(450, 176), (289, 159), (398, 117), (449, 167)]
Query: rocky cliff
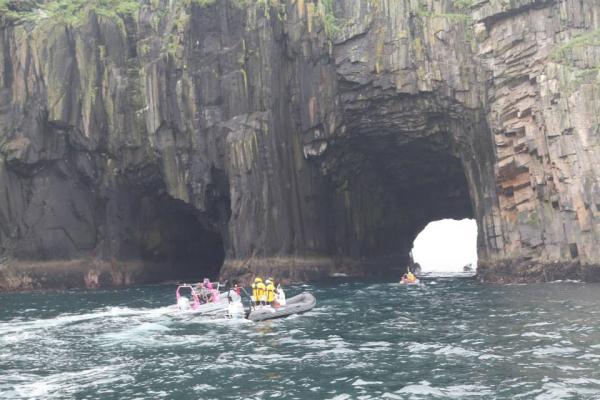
[(150, 140)]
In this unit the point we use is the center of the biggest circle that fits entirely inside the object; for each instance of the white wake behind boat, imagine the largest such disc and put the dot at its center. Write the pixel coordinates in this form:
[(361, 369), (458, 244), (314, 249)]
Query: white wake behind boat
[(236, 309)]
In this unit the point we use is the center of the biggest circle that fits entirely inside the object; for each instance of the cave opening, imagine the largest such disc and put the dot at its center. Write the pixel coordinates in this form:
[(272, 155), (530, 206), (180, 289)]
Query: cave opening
[(447, 245), (391, 188), (183, 242)]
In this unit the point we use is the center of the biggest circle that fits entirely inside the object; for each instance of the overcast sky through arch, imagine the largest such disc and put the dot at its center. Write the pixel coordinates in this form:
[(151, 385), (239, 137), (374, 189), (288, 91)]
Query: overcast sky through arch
[(446, 245)]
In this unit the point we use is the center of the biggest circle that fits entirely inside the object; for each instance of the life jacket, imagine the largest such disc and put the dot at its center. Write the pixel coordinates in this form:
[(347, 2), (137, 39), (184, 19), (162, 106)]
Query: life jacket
[(260, 291), (270, 292), (254, 291)]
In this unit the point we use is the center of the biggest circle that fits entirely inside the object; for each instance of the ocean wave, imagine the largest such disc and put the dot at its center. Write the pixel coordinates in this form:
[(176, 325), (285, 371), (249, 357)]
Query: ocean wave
[(534, 324), (419, 347), (67, 319), (392, 344), (422, 388), (553, 351), (61, 385), (360, 382), (450, 350), (557, 390), (542, 335)]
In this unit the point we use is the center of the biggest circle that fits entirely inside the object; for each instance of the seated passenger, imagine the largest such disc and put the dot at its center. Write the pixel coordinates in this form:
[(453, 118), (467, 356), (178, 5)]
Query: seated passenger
[(258, 291), (206, 291)]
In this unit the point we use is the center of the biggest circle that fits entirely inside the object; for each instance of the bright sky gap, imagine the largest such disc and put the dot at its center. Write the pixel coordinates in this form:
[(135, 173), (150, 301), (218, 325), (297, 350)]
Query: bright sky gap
[(446, 245)]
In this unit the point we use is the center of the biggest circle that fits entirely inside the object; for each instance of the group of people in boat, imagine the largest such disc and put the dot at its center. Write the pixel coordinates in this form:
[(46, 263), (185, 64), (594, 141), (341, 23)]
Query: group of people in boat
[(263, 293), (206, 291), (266, 293)]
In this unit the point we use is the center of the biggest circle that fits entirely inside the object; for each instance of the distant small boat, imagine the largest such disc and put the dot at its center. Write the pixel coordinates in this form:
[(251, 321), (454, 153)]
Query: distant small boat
[(295, 305), (407, 282)]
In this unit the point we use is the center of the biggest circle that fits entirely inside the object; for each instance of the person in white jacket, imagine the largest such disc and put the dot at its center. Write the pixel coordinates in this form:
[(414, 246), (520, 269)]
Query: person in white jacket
[(280, 297)]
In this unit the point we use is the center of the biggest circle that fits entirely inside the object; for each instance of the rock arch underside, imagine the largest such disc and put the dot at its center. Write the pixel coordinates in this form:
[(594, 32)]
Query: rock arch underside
[(222, 138)]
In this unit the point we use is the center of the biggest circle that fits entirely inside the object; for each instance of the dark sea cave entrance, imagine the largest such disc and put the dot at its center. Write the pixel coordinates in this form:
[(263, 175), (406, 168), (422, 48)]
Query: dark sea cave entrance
[(390, 189), (183, 243)]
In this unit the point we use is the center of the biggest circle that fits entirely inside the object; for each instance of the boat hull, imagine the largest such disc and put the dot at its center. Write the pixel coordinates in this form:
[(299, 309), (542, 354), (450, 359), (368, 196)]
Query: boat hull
[(295, 305), (219, 308), (403, 282)]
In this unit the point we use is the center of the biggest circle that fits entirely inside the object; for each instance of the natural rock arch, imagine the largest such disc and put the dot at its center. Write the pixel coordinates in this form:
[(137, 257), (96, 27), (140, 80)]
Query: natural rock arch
[(412, 142)]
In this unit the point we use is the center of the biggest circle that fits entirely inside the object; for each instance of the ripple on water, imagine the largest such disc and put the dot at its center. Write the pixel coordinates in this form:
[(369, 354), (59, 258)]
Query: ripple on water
[(452, 351), (422, 347), (425, 390), (64, 384), (422, 388), (553, 351), (542, 335), (363, 341), (374, 346), (557, 390), (360, 382)]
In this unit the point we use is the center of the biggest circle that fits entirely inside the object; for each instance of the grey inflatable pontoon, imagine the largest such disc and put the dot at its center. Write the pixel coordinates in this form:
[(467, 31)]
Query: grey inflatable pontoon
[(295, 305)]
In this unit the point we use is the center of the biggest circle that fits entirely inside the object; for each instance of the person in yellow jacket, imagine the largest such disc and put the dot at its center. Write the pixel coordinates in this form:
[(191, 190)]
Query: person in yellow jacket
[(270, 291), (411, 277), (258, 291)]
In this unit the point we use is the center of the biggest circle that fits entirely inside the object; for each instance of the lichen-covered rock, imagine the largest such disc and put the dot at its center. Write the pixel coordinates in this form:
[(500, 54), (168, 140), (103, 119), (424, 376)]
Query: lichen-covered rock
[(198, 138)]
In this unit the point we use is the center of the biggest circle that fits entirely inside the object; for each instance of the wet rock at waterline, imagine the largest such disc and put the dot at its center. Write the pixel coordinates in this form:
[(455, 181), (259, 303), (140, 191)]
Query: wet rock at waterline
[(182, 139)]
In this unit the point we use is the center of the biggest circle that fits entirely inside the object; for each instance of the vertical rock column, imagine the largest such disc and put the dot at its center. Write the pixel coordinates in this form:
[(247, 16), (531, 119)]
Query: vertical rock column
[(544, 56), (278, 223)]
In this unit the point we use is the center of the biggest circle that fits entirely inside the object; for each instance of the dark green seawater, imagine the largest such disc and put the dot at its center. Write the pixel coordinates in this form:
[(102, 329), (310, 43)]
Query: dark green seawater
[(452, 338)]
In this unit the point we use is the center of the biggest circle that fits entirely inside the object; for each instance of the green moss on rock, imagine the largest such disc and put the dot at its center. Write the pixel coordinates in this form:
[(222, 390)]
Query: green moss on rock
[(564, 53), (68, 12)]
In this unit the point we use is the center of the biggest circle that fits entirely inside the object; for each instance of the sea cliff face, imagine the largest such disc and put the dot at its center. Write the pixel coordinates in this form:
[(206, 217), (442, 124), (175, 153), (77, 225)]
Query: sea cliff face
[(177, 139)]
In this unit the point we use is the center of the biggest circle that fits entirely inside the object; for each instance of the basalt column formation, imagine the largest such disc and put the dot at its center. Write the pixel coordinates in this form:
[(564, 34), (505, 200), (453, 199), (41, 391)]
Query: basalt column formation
[(159, 140)]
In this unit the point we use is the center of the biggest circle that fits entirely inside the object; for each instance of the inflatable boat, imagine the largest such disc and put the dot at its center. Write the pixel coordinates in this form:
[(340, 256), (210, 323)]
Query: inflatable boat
[(208, 302), (295, 305), (407, 282)]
